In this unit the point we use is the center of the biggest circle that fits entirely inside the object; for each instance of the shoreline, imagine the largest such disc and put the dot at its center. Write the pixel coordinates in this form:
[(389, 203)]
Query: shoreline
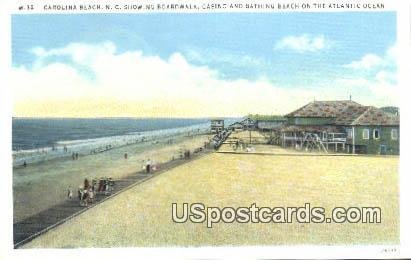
[(66, 149), (68, 156)]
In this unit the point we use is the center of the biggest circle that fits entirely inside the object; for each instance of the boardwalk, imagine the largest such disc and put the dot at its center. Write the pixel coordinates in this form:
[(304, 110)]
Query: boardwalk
[(33, 226)]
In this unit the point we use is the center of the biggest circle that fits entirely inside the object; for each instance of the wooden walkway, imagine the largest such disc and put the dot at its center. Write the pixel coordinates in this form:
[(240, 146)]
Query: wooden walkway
[(33, 226)]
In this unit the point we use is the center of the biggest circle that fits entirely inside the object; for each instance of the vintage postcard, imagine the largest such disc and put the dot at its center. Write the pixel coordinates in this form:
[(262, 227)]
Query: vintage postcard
[(207, 125)]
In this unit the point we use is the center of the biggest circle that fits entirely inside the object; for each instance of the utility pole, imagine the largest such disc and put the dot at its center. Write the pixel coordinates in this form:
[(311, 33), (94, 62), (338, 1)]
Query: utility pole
[(353, 140), (249, 131)]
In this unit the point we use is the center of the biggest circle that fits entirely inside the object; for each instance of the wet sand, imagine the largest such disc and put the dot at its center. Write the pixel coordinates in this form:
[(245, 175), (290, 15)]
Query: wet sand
[(42, 185)]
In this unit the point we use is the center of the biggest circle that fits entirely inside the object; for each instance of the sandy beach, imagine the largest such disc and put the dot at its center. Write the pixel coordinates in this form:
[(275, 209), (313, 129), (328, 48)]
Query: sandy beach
[(141, 216), (41, 185)]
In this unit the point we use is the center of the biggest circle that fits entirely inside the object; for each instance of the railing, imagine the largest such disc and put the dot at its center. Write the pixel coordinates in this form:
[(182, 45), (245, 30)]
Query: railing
[(336, 140), (335, 137), (293, 138)]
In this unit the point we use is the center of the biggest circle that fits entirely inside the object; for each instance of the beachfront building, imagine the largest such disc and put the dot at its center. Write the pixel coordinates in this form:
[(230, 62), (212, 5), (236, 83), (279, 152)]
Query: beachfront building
[(266, 125), (248, 123), (341, 126), (236, 126), (245, 124), (374, 132), (217, 125)]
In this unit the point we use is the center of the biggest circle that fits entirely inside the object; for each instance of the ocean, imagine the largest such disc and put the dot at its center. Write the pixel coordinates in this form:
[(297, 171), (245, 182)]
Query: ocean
[(42, 139), (30, 133)]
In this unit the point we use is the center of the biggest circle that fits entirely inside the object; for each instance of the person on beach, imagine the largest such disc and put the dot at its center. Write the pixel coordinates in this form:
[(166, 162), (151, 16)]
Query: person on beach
[(148, 166), (100, 185), (79, 193), (69, 193), (93, 184), (86, 184), (107, 188), (125, 156), (76, 156), (85, 197), (91, 195), (24, 164), (110, 184), (187, 154)]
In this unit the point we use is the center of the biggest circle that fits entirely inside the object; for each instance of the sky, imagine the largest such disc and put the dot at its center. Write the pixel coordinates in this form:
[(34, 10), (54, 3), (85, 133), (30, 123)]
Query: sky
[(199, 65)]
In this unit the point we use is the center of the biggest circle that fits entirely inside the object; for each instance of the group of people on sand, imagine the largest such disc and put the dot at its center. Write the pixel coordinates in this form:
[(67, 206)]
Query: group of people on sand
[(74, 156), (87, 192), (101, 149), (187, 154), (239, 144)]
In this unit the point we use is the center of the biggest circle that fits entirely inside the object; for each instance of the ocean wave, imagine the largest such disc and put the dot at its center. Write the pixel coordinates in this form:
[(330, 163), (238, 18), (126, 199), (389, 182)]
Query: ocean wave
[(66, 148)]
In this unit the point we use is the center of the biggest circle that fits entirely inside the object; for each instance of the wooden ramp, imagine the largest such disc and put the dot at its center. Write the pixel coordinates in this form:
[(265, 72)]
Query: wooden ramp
[(33, 226)]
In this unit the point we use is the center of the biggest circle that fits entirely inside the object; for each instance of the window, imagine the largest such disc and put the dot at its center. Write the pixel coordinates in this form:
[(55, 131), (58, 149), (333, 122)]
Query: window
[(394, 134), (376, 133), (366, 134), (349, 133)]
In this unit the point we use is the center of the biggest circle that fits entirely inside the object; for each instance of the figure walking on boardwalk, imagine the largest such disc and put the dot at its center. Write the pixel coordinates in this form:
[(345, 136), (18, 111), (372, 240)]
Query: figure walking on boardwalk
[(148, 166), (69, 193)]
